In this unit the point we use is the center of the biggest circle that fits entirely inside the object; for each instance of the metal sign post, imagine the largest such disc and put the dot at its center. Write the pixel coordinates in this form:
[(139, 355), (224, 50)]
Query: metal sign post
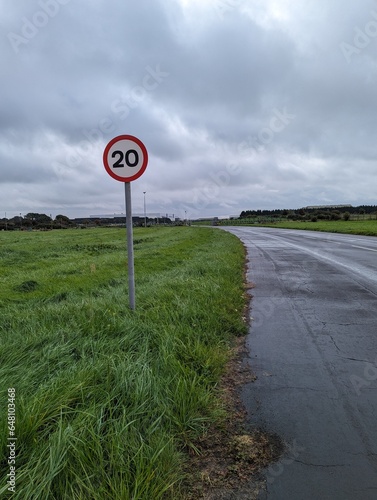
[(130, 246), (125, 159)]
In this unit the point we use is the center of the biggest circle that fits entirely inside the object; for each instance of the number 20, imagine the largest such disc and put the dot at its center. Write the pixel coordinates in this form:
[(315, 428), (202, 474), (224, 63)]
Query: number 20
[(126, 158)]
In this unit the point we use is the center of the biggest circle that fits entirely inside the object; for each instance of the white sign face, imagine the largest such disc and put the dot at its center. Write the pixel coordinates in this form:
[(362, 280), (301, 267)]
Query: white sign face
[(125, 158)]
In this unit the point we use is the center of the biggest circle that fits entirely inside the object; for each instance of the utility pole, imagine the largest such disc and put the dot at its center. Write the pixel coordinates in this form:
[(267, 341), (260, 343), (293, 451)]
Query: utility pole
[(145, 210)]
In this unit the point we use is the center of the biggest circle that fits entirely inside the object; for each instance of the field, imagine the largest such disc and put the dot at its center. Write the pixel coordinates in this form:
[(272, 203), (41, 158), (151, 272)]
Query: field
[(108, 401), (365, 227)]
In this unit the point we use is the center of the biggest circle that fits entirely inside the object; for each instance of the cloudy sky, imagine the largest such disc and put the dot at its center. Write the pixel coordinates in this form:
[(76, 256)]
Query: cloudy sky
[(241, 104)]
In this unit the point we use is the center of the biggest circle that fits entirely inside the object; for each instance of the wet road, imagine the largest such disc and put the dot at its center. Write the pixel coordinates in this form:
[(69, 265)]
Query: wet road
[(313, 347)]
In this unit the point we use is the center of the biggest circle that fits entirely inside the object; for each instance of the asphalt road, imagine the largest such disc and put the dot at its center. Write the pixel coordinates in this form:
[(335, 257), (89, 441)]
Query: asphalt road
[(313, 347)]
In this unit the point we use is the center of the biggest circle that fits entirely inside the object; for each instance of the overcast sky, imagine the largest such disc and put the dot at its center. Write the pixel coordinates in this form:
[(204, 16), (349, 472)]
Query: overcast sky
[(241, 104)]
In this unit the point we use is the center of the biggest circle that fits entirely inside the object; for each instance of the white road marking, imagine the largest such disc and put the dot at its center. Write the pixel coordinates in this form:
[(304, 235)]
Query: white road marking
[(365, 248)]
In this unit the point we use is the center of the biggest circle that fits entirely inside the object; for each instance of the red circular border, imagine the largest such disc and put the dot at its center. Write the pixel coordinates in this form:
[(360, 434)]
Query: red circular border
[(142, 147)]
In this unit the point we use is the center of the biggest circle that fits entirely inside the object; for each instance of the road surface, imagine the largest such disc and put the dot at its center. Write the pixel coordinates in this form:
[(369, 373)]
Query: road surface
[(313, 347)]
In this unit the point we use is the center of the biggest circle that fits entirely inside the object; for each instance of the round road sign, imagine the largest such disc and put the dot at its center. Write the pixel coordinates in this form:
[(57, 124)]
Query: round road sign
[(125, 158)]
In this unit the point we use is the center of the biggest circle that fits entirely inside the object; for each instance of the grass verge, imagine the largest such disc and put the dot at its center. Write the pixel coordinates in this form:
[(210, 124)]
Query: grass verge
[(108, 401), (363, 227)]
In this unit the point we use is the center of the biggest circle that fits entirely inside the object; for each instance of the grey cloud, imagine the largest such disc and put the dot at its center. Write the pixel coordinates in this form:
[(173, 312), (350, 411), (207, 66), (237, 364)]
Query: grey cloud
[(218, 82)]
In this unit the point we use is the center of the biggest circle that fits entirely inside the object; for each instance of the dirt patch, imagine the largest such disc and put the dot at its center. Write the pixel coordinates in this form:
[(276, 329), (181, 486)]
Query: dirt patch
[(232, 456)]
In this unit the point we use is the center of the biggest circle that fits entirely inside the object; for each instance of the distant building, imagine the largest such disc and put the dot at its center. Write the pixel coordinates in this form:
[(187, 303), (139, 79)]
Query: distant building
[(154, 215)]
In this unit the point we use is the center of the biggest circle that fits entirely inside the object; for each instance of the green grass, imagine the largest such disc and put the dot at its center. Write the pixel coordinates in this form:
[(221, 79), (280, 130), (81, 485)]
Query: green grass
[(365, 227), (109, 400)]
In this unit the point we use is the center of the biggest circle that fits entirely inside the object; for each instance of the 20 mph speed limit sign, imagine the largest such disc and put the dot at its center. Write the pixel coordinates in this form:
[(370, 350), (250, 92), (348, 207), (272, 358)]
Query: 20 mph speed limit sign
[(125, 158)]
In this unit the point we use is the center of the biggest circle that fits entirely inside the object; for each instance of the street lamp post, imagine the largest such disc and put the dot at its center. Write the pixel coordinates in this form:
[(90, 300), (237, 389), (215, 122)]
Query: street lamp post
[(145, 210)]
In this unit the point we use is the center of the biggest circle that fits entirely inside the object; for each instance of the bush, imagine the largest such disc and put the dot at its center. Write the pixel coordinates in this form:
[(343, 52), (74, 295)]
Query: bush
[(335, 216), (346, 216)]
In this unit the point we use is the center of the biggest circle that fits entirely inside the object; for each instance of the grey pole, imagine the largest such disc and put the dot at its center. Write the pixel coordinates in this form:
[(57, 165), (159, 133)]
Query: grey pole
[(130, 246), (145, 211)]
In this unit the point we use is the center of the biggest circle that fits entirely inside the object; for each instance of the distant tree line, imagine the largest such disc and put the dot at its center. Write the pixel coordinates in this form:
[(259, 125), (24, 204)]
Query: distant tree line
[(44, 222), (312, 213), (35, 221)]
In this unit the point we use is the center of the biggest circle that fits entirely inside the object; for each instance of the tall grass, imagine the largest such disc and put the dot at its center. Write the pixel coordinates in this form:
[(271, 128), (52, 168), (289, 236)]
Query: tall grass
[(109, 400)]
